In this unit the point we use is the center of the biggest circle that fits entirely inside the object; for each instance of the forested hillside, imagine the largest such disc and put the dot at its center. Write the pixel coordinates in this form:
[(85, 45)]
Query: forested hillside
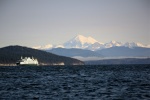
[(10, 54)]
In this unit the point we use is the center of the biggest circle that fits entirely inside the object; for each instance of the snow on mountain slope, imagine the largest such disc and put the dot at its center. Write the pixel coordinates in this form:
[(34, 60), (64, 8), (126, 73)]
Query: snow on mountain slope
[(133, 44), (148, 46), (48, 46), (95, 46), (80, 41), (112, 44)]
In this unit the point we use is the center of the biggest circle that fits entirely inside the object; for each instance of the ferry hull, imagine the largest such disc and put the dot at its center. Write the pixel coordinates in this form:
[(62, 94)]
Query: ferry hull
[(26, 64)]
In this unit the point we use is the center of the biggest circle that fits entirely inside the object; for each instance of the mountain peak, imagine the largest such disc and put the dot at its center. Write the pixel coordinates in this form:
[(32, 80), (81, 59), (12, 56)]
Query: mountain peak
[(79, 36), (80, 41), (84, 39), (48, 46), (112, 44), (134, 44)]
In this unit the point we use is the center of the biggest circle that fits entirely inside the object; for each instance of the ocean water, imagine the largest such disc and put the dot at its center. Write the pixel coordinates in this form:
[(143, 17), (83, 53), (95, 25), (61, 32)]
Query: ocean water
[(101, 82)]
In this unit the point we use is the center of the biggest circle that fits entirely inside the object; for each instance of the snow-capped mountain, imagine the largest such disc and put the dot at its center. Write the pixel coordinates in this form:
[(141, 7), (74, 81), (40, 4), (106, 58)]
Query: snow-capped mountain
[(133, 44), (80, 41), (89, 43), (112, 44), (95, 46), (48, 46)]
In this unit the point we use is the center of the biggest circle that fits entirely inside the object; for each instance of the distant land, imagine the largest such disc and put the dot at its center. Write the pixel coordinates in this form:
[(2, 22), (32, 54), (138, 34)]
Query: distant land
[(10, 54), (118, 52), (125, 52), (113, 55), (119, 61), (71, 52)]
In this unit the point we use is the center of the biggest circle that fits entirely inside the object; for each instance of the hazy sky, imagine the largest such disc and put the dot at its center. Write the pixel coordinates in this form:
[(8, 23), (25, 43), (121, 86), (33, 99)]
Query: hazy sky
[(40, 22)]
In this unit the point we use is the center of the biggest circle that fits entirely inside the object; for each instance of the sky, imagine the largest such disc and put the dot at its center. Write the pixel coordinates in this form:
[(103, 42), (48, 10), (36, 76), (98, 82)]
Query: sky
[(40, 22)]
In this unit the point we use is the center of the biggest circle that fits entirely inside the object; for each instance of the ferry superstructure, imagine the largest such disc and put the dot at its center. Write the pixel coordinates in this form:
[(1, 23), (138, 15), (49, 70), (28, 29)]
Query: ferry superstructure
[(27, 61)]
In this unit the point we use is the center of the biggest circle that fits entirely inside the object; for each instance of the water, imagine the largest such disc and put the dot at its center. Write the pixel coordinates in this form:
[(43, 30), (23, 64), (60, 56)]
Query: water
[(102, 82)]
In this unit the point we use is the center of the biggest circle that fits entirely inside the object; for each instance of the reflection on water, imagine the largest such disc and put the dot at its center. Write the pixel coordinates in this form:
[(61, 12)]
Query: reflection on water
[(76, 82)]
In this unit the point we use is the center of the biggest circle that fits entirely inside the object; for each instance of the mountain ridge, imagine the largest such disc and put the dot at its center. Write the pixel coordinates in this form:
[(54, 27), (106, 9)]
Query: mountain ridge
[(111, 53), (71, 52), (119, 61), (89, 43), (122, 51)]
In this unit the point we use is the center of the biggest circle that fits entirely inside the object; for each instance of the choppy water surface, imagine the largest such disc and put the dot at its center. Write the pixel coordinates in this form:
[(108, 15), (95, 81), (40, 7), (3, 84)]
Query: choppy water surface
[(131, 82)]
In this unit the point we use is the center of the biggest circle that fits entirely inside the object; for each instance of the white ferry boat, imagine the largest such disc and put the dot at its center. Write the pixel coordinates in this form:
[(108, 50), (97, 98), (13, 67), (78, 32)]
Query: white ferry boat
[(27, 61)]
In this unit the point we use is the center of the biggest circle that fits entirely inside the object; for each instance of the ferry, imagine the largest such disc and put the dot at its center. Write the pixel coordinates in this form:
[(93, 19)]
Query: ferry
[(27, 61)]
